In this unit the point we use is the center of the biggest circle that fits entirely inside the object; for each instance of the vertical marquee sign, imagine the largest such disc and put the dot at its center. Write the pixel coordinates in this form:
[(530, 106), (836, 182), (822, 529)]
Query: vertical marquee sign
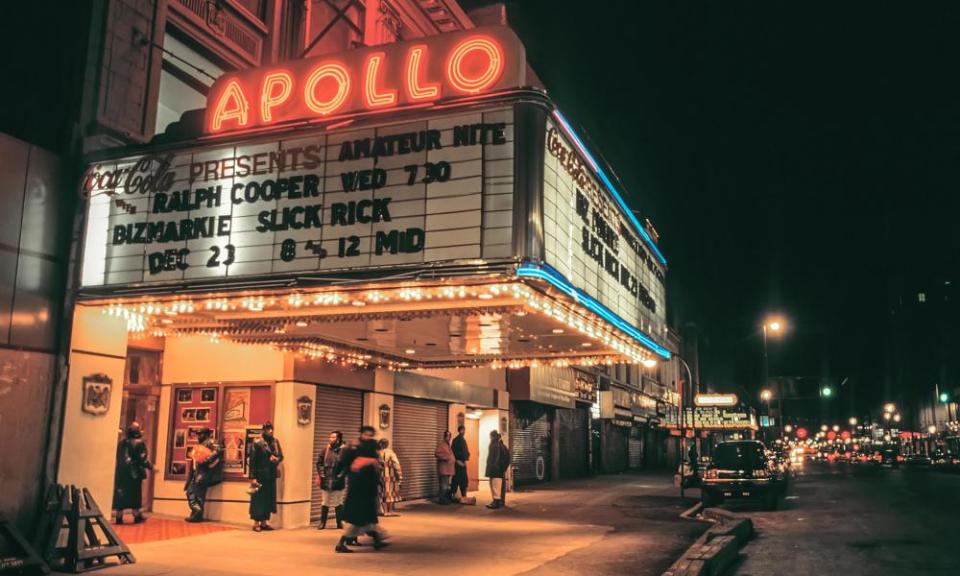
[(590, 241)]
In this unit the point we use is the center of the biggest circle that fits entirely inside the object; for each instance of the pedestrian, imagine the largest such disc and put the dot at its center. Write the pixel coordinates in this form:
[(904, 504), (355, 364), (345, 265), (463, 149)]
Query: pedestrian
[(360, 508), (206, 470), (265, 457), (332, 479), (391, 476), (131, 469), (694, 459), (498, 462), (461, 454), (445, 468)]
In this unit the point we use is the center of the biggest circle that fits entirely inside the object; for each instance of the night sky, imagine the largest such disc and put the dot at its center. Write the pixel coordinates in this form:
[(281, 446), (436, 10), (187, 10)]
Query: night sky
[(799, 159)]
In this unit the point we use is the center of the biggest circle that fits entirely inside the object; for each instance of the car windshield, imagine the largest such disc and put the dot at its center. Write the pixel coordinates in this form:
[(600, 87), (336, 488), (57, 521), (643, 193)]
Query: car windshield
[(746, 456)]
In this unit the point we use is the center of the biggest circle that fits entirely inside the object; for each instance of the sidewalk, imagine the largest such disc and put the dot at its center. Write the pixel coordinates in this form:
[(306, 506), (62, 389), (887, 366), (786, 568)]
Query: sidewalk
[(604, 525)]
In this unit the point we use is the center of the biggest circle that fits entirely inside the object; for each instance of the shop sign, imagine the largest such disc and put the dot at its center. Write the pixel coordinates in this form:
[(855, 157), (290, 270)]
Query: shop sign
[(589, 240), (716, 400), (552, 385), (586, 386), (97, 389), (422, 191), (385, 77), (714, 418)]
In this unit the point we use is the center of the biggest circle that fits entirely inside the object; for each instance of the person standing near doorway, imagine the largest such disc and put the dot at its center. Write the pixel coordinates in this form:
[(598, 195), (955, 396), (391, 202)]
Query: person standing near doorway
[(360, 507), (332, 479), (265, 457), (445, 468), (206, 470), (461, 454), (498, 462), (131, 469), (391, 476)]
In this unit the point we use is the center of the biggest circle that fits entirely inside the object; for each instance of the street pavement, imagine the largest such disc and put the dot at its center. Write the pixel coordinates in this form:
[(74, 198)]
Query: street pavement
[(623, 524), (855, 519)]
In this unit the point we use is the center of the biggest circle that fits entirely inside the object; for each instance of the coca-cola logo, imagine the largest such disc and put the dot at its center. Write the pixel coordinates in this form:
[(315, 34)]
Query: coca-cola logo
[(148, 175)]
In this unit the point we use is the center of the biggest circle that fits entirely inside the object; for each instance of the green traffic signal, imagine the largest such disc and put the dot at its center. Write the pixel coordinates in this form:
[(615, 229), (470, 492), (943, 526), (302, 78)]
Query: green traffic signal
[(944, 397), (826, 391)]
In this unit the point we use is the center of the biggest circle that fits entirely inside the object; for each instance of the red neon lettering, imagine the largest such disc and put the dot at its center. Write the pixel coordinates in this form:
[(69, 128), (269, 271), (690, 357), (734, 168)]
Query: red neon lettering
[(465, 75), (415, 90), (373, 98), (270, 96), (232, 105), (334, 71)]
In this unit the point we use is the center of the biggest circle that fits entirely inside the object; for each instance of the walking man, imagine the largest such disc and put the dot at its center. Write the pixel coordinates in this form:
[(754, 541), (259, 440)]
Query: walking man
[(498, 462), (360, 508), (461, 454), (205, 471), (332, 479), (265, 456)]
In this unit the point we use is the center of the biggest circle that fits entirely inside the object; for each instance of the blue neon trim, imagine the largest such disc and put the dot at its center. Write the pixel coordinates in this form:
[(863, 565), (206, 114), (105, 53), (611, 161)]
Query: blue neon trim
[(613, 189), (549, 274)]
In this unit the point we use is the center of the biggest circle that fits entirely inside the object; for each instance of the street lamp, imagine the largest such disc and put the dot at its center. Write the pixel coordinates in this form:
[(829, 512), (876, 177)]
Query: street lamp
[(823, 428), (788, 428), (896, 417), (772, 325), (887, 415), (932, 429), (889, 407), (853, 421), (836, 427)]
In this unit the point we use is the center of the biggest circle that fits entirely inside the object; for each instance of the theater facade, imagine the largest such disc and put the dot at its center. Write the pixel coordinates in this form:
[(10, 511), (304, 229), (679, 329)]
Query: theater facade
[(410, 236)]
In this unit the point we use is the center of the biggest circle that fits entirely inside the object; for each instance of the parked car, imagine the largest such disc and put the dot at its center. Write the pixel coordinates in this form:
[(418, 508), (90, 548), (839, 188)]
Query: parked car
[(742, 469)]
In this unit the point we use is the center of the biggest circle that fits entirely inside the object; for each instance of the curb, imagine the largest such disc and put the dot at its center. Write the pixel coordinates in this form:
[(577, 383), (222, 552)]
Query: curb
[(717, 549)]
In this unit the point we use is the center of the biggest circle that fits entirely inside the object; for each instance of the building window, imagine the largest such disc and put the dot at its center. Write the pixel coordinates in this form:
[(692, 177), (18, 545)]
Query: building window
[(185, 79), (921, 297), (333, 26)]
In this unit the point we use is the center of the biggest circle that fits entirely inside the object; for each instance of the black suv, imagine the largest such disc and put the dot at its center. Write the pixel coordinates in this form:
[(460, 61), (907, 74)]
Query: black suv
[(742, 469)]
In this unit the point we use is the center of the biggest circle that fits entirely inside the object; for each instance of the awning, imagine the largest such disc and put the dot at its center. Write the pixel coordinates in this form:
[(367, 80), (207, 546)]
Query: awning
[(529, 318)]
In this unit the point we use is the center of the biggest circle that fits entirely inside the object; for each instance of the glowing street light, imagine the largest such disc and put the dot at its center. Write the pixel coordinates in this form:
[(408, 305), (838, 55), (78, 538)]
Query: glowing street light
[(889, 407), (766, 395), (788, 428), (896, 417), (852, 421), (836, 427), (887, 415), (932, 429), (823, 428)]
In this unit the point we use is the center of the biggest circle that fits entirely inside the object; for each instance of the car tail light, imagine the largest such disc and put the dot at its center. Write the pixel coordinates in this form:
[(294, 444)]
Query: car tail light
[(761, 474), (711, 473)]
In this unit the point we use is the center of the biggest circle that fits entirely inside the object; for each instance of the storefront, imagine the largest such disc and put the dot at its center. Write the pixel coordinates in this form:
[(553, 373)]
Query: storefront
[(383, 238)]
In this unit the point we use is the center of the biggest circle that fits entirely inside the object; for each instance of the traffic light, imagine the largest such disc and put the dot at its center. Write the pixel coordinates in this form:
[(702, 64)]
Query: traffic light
[(826, 392), (944, 397)]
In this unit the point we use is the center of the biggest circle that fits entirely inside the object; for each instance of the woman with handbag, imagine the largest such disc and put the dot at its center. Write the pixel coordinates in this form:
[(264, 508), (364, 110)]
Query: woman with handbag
[(265, 458), (131, 469)]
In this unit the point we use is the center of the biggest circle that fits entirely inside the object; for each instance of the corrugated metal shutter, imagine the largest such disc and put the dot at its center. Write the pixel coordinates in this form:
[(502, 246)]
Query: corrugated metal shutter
[(635, 450), (335, 409), (530, 432), (615, 449), (574, 438), (417, 425)]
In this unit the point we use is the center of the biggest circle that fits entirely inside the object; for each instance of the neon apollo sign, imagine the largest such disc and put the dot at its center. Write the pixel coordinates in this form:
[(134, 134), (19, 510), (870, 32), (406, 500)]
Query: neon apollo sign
[(404, 74)]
